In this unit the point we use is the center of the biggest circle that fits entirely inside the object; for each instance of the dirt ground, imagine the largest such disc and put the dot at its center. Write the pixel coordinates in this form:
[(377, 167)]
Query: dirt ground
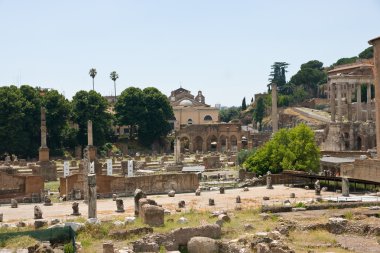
[(107, 207)]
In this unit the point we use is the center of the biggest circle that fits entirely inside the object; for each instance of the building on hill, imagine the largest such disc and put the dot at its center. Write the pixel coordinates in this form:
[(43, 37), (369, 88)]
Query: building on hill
[(189, 110), (198, 128), (352, 125)]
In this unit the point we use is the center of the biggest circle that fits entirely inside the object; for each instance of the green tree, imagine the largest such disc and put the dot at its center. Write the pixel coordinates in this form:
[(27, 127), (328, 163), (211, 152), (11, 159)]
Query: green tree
[(129, 108), (346, 60), (289, 149), (310, 76), (147, 109), (114, 76), (154, 123), (243, 105), (259, 112), (92, 106), (367, 53), (31, 120), (58, 114), (243, 155), (278, 74), (228, 114), (19, 121), (93, 73)]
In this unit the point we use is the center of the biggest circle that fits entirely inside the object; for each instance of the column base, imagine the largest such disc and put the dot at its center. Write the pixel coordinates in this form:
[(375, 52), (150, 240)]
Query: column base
[(43, 154)]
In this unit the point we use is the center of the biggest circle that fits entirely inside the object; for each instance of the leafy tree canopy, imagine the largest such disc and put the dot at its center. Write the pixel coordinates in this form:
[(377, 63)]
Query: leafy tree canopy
[(148, 109), (289, 149), (310, 76), (367, 53), (259, 111), (58, 115), (155, 118), (20, 111), (277, 74), (346, 60), (92, 106), (228, 114)]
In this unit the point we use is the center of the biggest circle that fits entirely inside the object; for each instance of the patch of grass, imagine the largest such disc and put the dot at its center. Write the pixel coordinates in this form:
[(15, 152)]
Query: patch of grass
[(52, 186), (162, 249), (20, 242), (348, 215), (312, 237), (300, 205)]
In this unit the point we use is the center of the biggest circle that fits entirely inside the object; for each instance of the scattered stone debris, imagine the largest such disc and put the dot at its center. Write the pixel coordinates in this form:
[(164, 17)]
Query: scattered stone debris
[(171, 193), (37, 212)]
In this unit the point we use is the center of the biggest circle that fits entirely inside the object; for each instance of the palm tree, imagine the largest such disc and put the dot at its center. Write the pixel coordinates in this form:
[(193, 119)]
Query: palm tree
[(93, 74), (113, 77)]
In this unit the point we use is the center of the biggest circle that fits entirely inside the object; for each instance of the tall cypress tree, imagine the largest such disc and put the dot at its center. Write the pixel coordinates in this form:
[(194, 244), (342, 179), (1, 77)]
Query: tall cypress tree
[(243, 105)]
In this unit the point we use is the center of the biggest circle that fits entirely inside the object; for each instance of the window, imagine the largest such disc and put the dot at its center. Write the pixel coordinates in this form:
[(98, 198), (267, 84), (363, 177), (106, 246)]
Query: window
[(208, 118), (189, 121)]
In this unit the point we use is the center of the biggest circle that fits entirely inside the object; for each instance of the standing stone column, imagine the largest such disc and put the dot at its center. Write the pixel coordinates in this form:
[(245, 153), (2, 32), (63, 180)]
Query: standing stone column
[(332, 101), (359, 102), (369, 114), (339, 98), (376, 72), (86, 170), (349, 101), (177, 150), (269, 180), (345, 187), (89, 133), (351, 136), (90, 142), (44, 150), (274, 108), (92, 196)]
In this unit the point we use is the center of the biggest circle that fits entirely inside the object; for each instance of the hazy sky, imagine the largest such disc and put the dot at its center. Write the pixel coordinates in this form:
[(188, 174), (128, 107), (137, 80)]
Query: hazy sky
[(224, 48)]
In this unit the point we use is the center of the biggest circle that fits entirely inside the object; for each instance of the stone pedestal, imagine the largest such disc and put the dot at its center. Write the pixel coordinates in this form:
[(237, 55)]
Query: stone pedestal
[(37, 213), (139, 194), (43, 155), (75, 207), (78, 152), (153, 215), (45, 169), (269, 180), (120, 205), (91, 153)]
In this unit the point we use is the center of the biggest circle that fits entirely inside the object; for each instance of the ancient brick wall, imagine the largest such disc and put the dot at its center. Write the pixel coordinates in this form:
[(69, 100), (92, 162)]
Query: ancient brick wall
[(33, 184), (151, 184), (11, 183), (362, 169), (19, 186)]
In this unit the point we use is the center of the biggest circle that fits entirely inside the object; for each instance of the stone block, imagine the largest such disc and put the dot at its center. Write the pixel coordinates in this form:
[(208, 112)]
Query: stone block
[(108, 247), (40, 223), (202, 245), (152, 215)]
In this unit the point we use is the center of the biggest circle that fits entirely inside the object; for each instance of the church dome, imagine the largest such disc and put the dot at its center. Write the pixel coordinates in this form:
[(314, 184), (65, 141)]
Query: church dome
[(186, 102)]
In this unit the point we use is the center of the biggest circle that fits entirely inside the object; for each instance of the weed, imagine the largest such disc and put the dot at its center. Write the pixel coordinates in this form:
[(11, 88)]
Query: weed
[(162, 249), (300, 205), (20, 242), (68, 248), (348, 215)]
